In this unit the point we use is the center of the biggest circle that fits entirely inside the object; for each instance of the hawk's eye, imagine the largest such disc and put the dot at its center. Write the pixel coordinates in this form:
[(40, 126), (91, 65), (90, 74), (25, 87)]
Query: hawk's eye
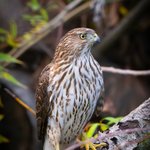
[(82, 36)]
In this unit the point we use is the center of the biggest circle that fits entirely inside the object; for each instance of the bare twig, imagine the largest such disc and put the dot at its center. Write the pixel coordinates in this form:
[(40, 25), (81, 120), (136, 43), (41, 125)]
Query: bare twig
[(126, 71), (20, 101)]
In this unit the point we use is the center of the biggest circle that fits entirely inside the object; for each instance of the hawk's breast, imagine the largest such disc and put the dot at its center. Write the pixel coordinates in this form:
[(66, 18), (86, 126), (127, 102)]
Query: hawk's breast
[(79, 89)]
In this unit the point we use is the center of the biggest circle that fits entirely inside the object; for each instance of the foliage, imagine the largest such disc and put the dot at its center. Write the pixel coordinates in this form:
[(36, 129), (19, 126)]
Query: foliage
[(4, 74), (7, 76), (2, 138), (34, 5), (9, 37), (40, 14), (1, 117), (7, 58), (92, 129), (103, 125), (38, 17), (107, 122)]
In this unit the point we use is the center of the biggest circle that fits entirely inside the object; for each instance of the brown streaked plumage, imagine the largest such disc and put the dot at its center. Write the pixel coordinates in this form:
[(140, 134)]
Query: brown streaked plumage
[(69, 90)]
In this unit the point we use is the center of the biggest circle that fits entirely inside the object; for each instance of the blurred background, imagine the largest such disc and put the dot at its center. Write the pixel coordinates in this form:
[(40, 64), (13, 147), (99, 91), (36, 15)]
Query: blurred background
[(29, 33)]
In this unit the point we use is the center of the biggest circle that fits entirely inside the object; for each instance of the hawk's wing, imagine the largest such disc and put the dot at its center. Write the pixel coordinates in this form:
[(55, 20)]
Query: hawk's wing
[(42, 102)]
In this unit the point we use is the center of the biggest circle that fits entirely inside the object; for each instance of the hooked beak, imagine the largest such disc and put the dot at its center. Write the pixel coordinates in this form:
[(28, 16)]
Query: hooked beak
[(96, 39)]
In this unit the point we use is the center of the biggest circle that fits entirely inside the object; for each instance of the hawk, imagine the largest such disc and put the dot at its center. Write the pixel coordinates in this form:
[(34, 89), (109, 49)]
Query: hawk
[(69, 90)]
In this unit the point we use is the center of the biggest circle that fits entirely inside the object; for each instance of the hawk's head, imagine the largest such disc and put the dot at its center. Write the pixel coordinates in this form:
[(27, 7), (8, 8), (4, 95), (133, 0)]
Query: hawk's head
[(76, 42)]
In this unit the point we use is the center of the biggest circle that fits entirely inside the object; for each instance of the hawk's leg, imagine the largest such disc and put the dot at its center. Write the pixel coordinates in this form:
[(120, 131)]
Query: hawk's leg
[(89, 134), (52, 138)]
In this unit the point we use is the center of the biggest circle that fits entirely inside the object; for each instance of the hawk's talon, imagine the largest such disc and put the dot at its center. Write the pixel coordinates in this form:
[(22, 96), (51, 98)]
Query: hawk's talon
[(89, 145), (93, 146)]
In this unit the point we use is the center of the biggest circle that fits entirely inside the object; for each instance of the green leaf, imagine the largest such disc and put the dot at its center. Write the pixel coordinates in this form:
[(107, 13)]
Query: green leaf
[(1, 117), (33, 19), (3, 31), (36, 19), (13, 29), (103, 127), (44, 14), (10, 78), (8, 58), (92, 130), (3, 139), (111, 120), (34, 5), (11, 40), (27, 17)]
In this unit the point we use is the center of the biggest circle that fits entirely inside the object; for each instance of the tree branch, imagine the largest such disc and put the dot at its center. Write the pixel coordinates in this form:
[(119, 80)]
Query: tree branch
[(138, 120), (18, 100), (126, 71)]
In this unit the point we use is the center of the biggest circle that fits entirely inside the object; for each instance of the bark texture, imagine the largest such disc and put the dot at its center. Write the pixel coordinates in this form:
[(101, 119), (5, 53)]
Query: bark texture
[(131, 131)]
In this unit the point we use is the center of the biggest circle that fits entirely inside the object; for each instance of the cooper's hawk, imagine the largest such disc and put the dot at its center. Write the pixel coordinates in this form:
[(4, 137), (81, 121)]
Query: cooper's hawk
[(69, 90)]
